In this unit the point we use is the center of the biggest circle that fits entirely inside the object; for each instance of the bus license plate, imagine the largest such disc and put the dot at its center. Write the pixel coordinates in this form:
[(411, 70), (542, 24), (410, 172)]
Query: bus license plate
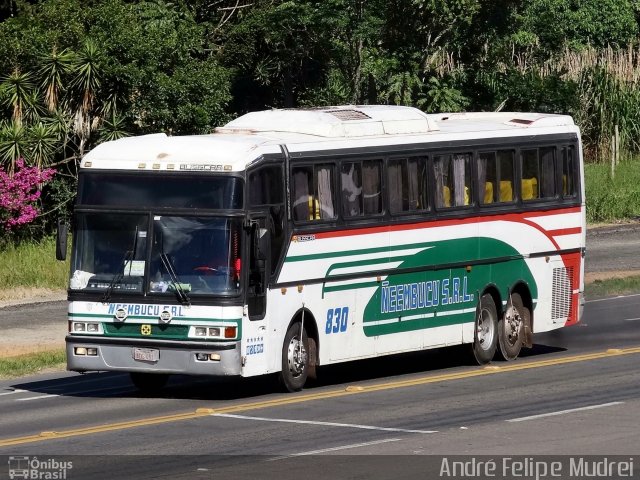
[(146, 354)]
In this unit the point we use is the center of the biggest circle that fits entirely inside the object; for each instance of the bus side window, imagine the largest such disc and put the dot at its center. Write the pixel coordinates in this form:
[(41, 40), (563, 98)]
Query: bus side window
[(313, 193), (361, 188), (530, 174), (302, 185), (266, 190), (487, 177), (538, 173), (568, 162), (547, 172), (453, 179), (351, 180), (506, 174), (408, 185)]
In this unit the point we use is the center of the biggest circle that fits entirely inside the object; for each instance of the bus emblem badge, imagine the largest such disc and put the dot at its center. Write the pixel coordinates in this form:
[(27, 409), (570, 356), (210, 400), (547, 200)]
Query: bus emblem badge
[(165, 316), (145, 329), (120, 314)]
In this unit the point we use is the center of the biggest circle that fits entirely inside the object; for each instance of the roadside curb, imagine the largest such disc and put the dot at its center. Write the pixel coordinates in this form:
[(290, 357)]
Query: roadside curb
[(597, 230)]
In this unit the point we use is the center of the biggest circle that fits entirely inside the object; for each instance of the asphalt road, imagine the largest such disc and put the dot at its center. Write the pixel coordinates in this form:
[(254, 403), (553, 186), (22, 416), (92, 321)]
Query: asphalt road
[(574, 383), (613, 248)]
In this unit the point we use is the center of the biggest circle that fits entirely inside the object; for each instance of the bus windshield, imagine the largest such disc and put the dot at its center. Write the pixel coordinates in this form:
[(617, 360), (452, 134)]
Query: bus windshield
[(219, 192), (194, 255)]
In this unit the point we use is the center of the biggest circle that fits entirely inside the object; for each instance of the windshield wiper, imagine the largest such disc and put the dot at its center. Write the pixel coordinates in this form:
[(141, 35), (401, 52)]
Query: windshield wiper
[(180, 293), (117, 279)]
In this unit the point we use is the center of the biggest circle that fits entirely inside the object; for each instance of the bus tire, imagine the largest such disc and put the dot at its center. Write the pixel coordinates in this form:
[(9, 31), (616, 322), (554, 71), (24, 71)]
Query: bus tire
[(149, 382), (511, 328), (485, 337), (295, 359)]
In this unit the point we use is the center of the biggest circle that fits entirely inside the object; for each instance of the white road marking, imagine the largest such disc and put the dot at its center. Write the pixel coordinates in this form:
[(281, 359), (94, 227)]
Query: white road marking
[(631, 319), (562, 412), (50, 395), (613, 298), (335, 449), (17, 390), (327, 424)]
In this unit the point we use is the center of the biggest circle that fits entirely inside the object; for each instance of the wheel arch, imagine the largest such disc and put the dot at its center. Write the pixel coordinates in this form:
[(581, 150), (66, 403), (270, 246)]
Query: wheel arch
[(522, 289), (493, 290)]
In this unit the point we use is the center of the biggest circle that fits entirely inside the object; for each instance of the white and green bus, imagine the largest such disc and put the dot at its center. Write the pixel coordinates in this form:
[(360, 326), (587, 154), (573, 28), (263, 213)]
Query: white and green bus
[(291, 239)]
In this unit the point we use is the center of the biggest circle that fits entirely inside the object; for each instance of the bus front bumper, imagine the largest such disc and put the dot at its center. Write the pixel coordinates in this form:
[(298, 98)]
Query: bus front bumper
[(152, 356)]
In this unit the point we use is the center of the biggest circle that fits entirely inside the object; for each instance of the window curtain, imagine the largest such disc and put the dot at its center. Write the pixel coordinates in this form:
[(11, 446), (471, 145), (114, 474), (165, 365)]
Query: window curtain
[(351, 190), (301, 195), (482, 177), (547, 157), (371, 187), (325, 194), (395, 186), (459, 162), (439, 169)]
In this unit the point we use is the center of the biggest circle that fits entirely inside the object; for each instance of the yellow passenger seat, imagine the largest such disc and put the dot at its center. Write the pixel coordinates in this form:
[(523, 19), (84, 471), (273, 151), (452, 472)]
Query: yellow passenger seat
[(529, 188), (314, 208), (506, 191), (488, 192), (446, 196)]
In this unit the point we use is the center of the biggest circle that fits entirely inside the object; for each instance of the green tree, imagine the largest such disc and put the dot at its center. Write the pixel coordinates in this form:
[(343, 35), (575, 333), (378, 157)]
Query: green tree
[(553, 24)]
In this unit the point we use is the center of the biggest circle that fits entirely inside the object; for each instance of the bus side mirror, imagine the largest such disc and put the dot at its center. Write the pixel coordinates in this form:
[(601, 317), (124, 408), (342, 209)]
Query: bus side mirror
[(62, 233)]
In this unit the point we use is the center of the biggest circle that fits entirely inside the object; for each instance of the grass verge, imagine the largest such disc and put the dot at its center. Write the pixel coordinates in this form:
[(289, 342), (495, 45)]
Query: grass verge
[(612, 287), (611, 199), (21, 365), (34, 265)]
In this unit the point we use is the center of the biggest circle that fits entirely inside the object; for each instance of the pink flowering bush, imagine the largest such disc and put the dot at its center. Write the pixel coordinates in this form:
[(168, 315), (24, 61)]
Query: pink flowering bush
[(19, 194)]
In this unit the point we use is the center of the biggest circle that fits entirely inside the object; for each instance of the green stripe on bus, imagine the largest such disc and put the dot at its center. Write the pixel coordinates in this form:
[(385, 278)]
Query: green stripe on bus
[(417, 324)]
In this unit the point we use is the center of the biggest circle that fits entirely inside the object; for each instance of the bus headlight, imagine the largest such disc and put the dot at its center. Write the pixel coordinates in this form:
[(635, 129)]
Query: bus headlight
[(213, 333), (93, 328)]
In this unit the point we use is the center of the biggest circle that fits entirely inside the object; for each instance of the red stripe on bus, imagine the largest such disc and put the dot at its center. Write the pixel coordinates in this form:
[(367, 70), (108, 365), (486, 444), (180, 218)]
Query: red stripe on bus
[(565, 231), (513, 217)]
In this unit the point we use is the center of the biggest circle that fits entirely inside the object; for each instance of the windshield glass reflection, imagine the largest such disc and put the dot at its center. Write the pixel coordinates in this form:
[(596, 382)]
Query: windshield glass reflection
[(189, 255), (110, 252), (203, 252)]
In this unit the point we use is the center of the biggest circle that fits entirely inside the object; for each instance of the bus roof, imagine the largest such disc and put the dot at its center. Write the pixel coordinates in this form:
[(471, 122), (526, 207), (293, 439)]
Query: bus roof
[(239, 142)]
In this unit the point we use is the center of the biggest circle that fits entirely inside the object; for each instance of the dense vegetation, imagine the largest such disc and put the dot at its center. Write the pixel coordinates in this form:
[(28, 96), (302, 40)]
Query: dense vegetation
[(74, 73)]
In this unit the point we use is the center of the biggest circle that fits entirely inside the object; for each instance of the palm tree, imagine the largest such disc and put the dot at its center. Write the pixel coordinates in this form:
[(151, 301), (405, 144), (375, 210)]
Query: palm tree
[(54, 68), (13, 143), (43, 144), (85, 85), (16, 92)]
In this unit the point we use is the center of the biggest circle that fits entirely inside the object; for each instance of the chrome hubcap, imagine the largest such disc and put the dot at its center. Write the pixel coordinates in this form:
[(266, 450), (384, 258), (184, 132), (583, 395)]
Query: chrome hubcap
[(512, 325), (296, 356)]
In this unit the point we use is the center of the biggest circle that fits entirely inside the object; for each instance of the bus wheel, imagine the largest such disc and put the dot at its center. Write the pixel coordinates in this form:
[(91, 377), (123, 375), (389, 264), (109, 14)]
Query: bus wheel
[(295, 359), (149, 382), (511, 328), (485, 338)]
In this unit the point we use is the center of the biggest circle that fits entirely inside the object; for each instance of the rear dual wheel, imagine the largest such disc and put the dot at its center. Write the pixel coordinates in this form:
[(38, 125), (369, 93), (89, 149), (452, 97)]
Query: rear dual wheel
[(485, 339), (511, 328)]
